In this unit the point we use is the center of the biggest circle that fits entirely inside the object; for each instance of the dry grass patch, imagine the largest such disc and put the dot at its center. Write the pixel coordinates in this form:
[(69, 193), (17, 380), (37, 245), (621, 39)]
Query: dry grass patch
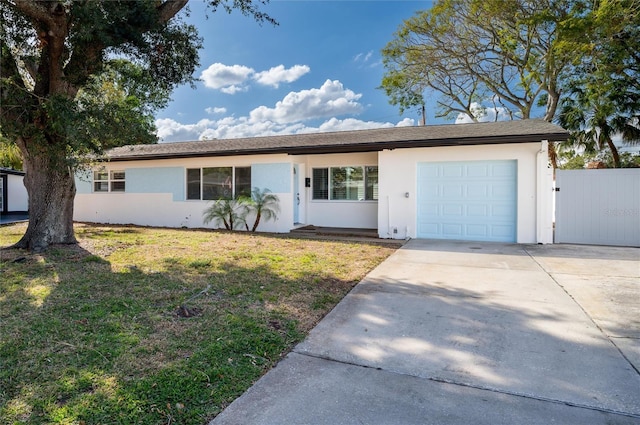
[(151, 326)]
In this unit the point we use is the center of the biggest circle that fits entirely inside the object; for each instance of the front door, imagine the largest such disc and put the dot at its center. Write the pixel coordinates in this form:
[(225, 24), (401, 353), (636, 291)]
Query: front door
[(296, 194)]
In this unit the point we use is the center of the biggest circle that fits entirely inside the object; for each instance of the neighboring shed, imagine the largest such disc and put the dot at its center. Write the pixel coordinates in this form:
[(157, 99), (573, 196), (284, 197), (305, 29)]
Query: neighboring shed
[(482, 181), (13, 194)]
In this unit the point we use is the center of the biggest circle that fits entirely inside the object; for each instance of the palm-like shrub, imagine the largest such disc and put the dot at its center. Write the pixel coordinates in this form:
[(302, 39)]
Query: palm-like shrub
[(265, 204), (230, 212)]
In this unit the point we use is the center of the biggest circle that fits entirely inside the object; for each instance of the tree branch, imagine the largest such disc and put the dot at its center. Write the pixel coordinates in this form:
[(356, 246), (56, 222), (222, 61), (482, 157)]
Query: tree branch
[(170, 8), (35, 11)]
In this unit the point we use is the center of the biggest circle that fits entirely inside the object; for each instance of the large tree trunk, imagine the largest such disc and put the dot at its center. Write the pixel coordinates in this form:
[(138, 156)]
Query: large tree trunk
[(51, 188)]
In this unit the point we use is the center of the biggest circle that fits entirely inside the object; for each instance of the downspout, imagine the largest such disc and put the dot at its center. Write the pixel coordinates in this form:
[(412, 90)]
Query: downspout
[(389, 218)]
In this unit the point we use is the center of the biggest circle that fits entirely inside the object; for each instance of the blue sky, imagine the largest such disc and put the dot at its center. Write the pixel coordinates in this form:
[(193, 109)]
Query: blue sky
[(317, 71)]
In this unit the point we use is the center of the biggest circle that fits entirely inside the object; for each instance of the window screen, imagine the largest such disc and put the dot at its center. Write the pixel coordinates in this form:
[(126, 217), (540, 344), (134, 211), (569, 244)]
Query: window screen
[(243, 181), (371, 183), (347, 183), (320, 183), (193, 183), (217, 183)]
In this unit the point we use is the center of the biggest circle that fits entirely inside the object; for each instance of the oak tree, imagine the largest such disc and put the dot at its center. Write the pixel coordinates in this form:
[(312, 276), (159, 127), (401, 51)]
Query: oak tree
[(79, 77)]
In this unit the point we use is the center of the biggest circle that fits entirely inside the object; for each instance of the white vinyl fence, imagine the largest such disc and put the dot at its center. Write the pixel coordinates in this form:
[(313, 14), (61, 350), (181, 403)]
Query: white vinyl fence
[(598, 207)]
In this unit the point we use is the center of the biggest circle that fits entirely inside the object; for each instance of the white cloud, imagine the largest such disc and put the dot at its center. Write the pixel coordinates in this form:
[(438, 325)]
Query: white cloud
[(363, 57), (215, 110), (233, 128), (170, 130), (232, 79), (329, 100), (484, 114), (278, 74), (228, 79), (406, 122), (287, 117), (234, 89)]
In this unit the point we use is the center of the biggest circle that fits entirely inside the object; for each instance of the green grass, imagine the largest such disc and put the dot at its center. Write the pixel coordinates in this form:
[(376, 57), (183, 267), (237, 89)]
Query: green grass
[(158, 326)]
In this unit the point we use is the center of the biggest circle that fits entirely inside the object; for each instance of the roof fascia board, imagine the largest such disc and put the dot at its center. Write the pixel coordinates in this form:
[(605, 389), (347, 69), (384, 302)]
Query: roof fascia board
[(13, 172), (356, 147)]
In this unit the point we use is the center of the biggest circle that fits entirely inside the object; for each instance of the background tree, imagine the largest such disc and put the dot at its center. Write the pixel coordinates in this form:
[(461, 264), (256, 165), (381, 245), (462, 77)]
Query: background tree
[(603, 96), (477, 55), (69, 87), (9, 154)]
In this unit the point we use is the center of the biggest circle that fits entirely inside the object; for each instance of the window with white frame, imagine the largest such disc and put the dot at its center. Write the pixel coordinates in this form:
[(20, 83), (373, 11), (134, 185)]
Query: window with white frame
[(213, 183), (352, 183), (109, 181)]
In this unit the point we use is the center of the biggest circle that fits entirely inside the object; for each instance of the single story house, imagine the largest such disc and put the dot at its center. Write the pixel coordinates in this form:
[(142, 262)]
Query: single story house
[(481, 181), (13, 193)]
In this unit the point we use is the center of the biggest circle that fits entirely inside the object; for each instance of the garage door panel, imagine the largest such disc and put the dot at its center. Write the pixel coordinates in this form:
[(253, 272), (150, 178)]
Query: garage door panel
[(501, 191), (473, 200), (455, 210), (502, 170), (477, 171), (477, 210), (477, 191), (452, 230), (432, 210), (430, 229), (506, 231), (451, 191), (452, 171), (477, 230)]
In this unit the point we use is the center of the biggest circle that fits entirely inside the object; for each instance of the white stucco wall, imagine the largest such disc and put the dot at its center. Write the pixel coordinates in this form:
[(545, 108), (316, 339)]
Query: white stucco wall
[(153, 199), (398, 175), (17, 197), (326, 213), (158, 196)]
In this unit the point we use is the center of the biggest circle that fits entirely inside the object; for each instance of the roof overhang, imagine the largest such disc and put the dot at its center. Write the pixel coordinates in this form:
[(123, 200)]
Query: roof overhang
[(12, 172), (368, 140), (352, 148)]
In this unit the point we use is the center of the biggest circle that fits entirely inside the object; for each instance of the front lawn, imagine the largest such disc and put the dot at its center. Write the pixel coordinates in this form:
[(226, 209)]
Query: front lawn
[(158, 326)]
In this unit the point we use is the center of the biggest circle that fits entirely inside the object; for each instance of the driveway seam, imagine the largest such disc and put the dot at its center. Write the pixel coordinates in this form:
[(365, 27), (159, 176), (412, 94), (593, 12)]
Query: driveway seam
[(476, 387), (605, 334)]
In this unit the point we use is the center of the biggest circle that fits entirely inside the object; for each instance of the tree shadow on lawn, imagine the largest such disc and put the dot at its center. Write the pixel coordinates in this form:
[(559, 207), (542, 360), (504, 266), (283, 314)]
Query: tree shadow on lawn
[(82, 342)]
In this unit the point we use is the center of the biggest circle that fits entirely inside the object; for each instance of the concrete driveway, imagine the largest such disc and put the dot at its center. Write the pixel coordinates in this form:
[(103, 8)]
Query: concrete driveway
[(468, 333)]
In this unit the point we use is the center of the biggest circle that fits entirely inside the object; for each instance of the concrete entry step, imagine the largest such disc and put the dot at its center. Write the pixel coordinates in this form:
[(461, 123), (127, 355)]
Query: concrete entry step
[(336, 231)]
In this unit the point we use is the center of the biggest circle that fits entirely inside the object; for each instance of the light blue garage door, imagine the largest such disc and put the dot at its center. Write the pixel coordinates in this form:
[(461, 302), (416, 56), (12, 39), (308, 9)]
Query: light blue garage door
[(471, 200)]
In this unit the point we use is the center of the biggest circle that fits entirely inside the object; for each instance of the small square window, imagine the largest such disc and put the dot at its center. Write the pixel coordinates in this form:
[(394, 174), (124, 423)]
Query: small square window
[(109, 181)]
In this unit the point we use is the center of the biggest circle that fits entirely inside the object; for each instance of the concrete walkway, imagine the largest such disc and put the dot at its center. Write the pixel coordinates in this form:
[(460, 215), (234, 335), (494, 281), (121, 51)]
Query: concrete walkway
[(468, 333)]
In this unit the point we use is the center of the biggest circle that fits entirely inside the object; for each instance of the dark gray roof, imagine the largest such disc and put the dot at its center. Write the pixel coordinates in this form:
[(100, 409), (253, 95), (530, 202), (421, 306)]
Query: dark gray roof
[(520, 131)]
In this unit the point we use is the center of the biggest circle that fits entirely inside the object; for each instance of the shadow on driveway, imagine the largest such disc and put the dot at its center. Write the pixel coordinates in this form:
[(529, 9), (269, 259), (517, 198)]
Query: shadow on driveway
[(459, 332)]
